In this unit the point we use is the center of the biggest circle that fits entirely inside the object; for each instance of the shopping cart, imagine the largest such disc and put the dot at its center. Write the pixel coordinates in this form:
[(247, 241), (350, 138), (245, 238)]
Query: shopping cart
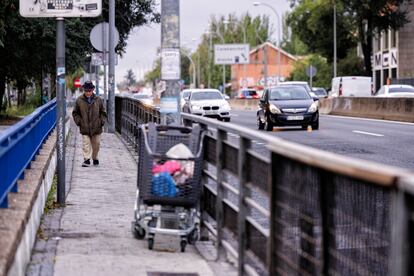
[(168, 188)]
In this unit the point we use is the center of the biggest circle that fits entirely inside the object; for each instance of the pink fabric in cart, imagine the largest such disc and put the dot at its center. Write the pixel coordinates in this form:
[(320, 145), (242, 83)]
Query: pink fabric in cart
[(170, 166)]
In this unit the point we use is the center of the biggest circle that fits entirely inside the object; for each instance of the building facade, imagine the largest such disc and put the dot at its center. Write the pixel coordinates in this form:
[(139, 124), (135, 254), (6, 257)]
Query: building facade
[(393, 54), (252, 75)]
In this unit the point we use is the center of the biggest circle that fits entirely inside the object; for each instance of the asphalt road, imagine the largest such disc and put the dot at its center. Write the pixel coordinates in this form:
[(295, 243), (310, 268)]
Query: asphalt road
[(386, 142)]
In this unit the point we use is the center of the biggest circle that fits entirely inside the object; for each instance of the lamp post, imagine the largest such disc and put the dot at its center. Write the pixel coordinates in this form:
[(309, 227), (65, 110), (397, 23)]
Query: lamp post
[(241, 24), (217, 32), (334, 34), (278, 31)]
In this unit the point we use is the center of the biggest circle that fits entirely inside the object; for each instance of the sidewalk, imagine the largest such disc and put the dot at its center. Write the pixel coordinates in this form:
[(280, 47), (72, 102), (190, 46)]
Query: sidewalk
[(95, 236)]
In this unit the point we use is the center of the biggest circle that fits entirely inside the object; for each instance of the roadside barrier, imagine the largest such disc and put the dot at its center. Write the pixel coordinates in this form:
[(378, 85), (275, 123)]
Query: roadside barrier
[(296, 210), (20, 143)]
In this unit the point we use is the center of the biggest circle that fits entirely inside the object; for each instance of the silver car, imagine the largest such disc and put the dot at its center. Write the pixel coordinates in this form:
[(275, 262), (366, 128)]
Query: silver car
[(208, 103)]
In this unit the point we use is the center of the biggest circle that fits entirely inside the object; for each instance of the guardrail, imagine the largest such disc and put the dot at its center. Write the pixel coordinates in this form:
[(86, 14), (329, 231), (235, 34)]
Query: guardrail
[(297, 210), (19, 145)]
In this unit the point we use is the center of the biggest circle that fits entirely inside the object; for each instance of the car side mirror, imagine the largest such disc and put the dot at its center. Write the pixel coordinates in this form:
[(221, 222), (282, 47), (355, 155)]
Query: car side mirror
[(186, 99)]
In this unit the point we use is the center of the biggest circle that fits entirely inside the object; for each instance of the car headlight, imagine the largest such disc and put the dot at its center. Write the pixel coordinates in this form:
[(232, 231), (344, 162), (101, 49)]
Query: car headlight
[(226, 106), (196, 107), (313, 108), (274, 109)]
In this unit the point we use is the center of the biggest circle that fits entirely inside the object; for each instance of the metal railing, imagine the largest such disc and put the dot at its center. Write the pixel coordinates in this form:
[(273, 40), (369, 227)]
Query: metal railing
[(287, 209), (19, 145)]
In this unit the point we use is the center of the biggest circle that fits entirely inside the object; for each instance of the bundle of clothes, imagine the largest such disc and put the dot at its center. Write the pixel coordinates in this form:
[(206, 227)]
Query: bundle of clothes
[(172, 178)]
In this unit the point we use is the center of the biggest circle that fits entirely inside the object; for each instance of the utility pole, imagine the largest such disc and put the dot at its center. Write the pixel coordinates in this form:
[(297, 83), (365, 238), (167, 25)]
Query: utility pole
[(111, 76), (265, 65), (104, 50), (334, 30), (61, 114), (170, 61)]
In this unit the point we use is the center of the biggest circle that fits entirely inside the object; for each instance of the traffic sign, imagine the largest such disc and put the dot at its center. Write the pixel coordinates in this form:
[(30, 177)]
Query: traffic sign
[(77, 83), (60, 8), (99, 36), (311, 71), (231, 54)]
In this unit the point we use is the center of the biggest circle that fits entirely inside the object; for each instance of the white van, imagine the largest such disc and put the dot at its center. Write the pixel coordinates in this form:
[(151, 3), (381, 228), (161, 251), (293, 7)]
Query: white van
[(351, 87)]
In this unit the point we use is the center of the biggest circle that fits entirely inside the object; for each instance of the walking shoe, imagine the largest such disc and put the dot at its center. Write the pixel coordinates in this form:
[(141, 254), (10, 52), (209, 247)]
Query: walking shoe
[(96, 162), (86, 163)]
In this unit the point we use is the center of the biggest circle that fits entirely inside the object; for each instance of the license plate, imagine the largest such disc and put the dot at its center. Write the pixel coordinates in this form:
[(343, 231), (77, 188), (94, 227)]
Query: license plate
[(295, 118)]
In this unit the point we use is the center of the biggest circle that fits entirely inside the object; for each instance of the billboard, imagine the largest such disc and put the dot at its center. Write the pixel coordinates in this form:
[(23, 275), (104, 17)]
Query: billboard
[(231, 54), (60, 8)]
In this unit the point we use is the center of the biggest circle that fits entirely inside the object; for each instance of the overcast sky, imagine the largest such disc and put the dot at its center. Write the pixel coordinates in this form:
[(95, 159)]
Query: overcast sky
[(194, 16)]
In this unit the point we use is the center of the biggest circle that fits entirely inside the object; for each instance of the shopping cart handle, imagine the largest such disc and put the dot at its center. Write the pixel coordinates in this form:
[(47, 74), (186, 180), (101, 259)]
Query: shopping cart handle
[(179, 128)]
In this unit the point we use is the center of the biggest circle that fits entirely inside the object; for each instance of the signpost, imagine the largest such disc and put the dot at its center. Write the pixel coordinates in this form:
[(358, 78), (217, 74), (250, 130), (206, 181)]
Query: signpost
[(231, 54), (311, 72), (60, 9)]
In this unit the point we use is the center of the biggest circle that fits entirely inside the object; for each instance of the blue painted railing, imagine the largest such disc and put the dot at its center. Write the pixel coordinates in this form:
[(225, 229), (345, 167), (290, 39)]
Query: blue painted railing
[(19, 145)]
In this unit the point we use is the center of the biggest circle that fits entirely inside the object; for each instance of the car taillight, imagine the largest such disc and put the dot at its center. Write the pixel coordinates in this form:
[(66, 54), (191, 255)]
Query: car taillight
[(255, 96), (241, 97)]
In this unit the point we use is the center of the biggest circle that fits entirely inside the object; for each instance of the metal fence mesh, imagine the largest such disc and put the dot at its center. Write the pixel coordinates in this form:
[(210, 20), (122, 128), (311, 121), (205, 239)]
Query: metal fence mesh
[(329, 224)]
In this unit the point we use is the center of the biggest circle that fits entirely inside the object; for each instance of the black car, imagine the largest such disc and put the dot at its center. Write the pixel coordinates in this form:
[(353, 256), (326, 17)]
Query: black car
[(287, 106)]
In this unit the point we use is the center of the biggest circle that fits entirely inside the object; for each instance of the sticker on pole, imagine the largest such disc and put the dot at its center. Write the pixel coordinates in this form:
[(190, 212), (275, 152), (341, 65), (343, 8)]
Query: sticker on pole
[(168, 105), (170, 64), (60, 8), (231, 54)]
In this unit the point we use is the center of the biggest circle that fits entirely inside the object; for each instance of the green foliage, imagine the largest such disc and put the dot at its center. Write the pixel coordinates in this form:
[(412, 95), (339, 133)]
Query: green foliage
[(357, 22), (130, 78), (28, 45), (324, 71), (351, 65)]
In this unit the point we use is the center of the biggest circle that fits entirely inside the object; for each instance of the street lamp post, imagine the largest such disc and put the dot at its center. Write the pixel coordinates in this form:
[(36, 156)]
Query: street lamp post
[(278, 31), (334, 33), (241, 24), (224, 66)]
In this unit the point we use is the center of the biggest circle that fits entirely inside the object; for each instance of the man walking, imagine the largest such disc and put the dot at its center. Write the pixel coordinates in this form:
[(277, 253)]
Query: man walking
[(89, 115)]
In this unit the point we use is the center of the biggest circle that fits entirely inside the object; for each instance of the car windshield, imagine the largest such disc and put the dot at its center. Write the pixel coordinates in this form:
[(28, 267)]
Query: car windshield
[(249, 93), (141, 96), (289, 93), (304, 85), (208, 95), (185, 94), (320, 92), (401, 90)]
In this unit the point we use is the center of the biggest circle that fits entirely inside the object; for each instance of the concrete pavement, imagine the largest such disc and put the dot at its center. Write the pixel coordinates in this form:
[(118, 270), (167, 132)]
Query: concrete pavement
[(94, 237)]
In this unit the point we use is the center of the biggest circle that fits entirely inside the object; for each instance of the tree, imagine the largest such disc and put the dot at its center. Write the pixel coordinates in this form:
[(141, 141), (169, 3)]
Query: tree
[(130, 78), (323, 76), (357, 21), (27, 46), (373, 17)]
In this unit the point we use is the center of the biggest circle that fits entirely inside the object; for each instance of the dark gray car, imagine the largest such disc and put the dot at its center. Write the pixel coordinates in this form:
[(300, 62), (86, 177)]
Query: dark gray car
[(287, 106)]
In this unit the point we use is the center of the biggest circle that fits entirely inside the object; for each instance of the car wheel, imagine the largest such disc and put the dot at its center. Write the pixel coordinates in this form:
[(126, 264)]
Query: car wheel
[(315, 126), (269, 124), (226, 119), (260, 124)]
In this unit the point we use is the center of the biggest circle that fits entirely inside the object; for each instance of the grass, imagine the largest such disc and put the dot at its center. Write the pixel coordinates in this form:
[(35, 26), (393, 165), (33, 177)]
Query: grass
[(51, 202)]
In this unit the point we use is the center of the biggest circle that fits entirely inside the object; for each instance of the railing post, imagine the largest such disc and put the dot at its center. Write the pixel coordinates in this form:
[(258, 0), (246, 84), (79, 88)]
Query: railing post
[(400, 256), (271, 243), (204, 233), (221, 136), (244, 144)]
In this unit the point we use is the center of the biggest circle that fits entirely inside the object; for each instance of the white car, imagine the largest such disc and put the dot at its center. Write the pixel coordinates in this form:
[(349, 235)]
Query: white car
[(396, 91), (208, 103)]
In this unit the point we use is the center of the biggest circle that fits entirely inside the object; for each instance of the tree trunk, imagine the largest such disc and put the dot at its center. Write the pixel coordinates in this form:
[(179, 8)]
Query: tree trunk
[(2, 90), (366, 44), (9, 95)]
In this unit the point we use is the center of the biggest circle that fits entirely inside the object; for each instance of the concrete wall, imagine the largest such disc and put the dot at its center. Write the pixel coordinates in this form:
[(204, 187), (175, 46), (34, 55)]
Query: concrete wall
[(396, 109), (20, 222)]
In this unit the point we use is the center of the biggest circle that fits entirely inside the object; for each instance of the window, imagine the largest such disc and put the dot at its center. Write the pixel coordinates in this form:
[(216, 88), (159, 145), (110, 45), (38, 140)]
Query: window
[(378, 40), (289, 93), (386, 76), (393, 39), (206, 96), (386, 40)]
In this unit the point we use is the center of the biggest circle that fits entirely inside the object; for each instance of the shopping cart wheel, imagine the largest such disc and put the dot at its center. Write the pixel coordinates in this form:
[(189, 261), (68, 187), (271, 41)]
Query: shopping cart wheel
[(138, 232), (183, 244), (150, 243), (193, 236)]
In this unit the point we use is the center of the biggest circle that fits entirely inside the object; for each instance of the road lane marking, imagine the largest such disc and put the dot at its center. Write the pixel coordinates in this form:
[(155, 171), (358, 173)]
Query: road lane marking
[(368, 119), (368, 133)]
